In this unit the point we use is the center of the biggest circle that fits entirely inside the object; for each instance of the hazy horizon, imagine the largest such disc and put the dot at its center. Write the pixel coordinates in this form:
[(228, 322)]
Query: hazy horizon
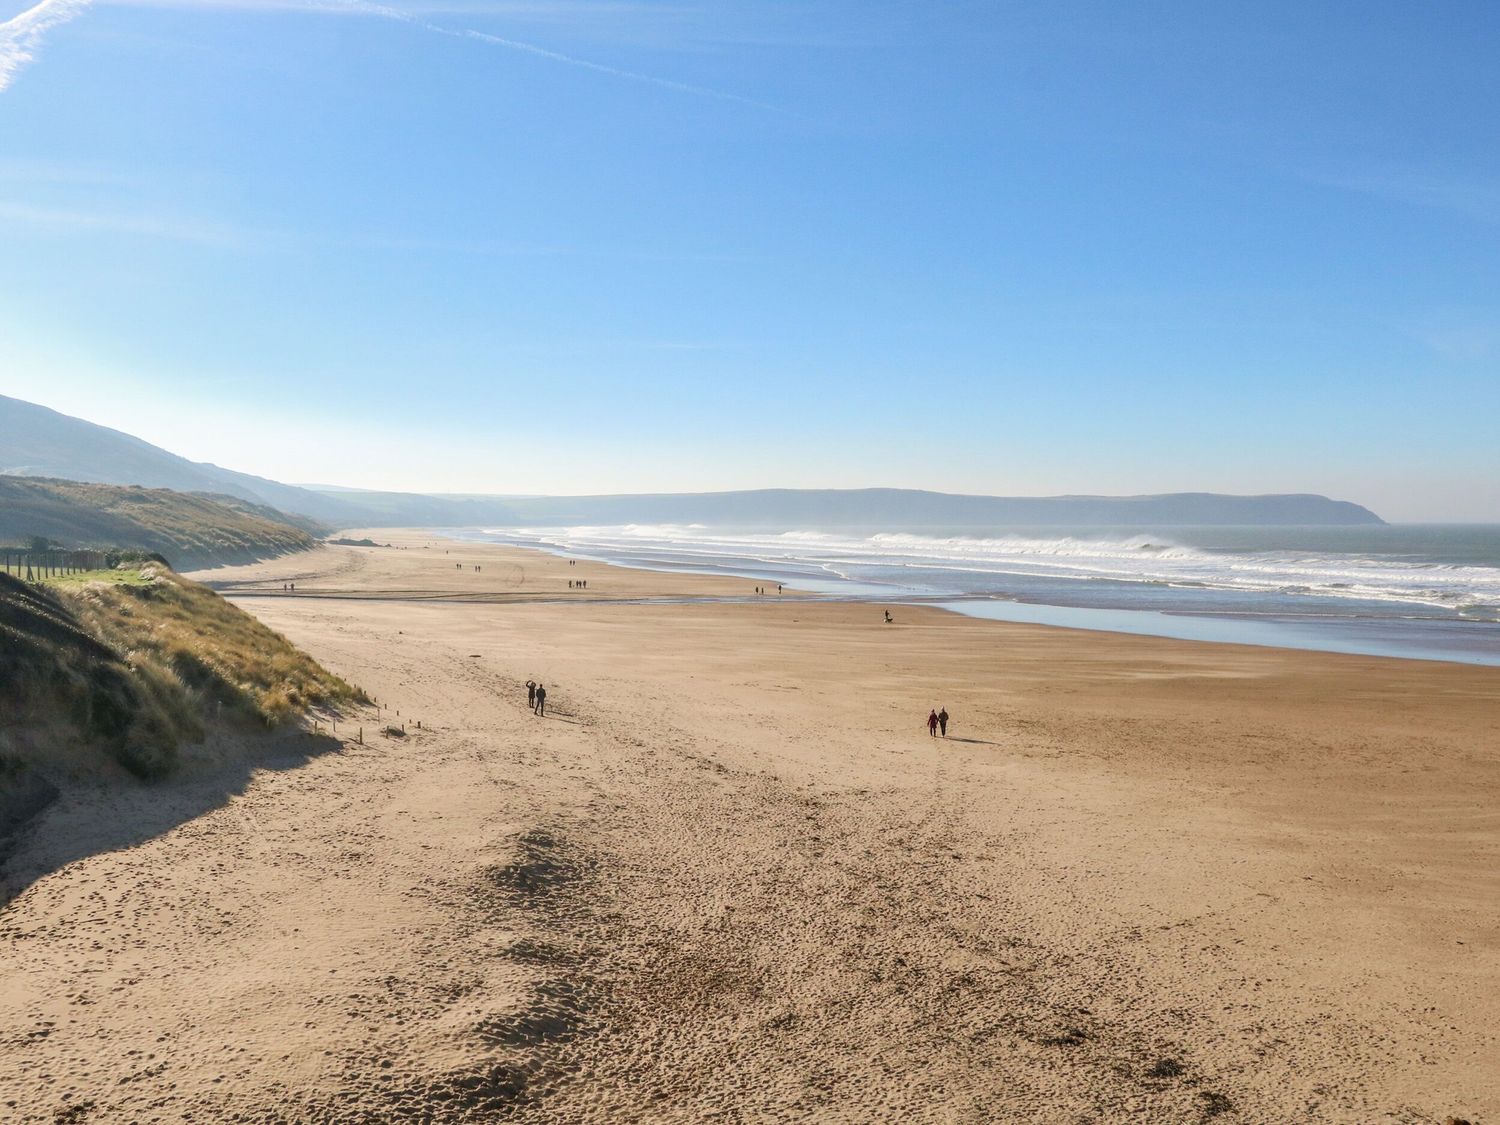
[(572, 248), (337, 487)]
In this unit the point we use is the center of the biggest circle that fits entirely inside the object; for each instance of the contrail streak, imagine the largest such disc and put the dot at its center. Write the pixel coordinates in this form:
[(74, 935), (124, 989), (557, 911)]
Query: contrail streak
[(21, 35), (555, 56), (667, 83)]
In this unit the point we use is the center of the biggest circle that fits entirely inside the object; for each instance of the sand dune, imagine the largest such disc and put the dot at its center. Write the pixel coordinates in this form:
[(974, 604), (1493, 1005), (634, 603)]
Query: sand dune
[(731, 878)]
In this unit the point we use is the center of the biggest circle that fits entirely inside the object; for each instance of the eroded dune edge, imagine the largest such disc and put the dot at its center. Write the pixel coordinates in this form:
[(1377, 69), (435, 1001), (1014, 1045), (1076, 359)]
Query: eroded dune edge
[(730, 877)]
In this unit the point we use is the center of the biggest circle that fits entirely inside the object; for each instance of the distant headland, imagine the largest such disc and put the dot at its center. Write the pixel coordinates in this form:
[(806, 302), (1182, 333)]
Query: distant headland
[(38, 442)]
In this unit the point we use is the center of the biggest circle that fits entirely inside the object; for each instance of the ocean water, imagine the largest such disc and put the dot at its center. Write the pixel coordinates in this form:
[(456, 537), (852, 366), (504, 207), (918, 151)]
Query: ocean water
[(1428, 591)]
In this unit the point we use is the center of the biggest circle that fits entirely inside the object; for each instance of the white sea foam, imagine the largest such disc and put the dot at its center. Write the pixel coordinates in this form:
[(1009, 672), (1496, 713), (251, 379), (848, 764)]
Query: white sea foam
[(960, 564)]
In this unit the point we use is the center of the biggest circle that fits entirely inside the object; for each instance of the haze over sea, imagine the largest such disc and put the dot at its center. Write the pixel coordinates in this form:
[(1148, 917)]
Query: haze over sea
[(1423, 591)]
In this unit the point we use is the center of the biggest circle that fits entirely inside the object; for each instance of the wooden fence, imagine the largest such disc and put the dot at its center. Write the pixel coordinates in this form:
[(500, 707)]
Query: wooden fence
[(35, 566)]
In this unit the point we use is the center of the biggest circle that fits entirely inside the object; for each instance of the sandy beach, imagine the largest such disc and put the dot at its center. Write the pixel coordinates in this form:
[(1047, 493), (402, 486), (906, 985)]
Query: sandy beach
[(730, 877)]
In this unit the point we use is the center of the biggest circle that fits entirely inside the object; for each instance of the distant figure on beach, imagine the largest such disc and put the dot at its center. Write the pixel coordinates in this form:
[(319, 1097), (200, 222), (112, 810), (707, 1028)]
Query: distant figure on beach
[(778, 587), (541, 700), (887, 617), (932, 724), (531, 694), (943, 721), (294, 585), (570, 583)]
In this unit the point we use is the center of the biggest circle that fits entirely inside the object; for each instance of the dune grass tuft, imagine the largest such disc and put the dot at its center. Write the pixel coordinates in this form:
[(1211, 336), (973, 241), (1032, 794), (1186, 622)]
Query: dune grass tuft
[(142, 662)]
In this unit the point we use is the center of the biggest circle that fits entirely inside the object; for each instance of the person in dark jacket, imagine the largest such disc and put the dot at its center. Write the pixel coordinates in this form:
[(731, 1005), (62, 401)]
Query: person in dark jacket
[(932, 724), (943, 721), (541, 700)]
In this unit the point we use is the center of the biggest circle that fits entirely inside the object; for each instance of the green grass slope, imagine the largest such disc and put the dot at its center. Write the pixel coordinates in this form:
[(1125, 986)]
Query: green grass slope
[(189, 529), (127, 671)]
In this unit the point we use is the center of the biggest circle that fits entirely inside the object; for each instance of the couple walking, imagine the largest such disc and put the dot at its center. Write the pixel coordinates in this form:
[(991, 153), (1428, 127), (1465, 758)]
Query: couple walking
[(536, 697), (936, 720)]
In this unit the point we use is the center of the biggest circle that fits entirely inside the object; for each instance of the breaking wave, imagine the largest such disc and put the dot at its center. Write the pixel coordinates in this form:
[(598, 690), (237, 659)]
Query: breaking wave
[(1009, 564)]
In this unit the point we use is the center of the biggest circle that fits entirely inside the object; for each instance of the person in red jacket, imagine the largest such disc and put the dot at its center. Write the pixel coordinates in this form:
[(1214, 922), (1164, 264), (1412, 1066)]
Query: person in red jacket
[(932, 724)]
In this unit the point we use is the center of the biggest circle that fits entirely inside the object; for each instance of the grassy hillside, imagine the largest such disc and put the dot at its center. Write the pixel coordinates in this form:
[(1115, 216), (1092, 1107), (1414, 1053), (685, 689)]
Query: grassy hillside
[(37, 442), (188, 529), (128, 670)]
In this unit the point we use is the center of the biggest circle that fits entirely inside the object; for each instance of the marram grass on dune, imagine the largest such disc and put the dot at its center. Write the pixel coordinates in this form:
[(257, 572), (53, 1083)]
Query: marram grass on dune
[(143, 663)]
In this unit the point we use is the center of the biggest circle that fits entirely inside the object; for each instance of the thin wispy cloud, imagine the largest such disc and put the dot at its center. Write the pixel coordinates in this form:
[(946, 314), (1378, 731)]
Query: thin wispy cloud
[(537, 11), (20, 215), (686, 27), (583, 346), (214, 235), (533, 49), (40, 172), (1459, 338), (21, 36), (1470, 196), (665, 83), (57, 220)]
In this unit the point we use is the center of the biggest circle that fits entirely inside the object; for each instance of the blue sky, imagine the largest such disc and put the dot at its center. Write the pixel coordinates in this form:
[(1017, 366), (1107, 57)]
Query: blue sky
[(574, 246)]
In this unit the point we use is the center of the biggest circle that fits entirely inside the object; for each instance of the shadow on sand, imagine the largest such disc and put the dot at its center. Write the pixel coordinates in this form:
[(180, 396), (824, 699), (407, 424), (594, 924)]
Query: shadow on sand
[(91, 818), (971, 741)]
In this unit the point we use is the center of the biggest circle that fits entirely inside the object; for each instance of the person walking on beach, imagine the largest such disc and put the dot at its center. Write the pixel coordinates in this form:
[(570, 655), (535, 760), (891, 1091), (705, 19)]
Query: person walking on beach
[(541, 700), (943, 721), (531, 694), (932, 724)]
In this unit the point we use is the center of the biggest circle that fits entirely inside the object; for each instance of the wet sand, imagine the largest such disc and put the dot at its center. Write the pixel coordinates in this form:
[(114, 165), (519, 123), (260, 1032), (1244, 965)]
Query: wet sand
[(731, 878)]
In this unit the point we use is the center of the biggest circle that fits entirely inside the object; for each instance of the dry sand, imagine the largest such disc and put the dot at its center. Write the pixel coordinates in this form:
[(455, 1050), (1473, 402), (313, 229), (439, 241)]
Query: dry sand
[(731, 878)]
